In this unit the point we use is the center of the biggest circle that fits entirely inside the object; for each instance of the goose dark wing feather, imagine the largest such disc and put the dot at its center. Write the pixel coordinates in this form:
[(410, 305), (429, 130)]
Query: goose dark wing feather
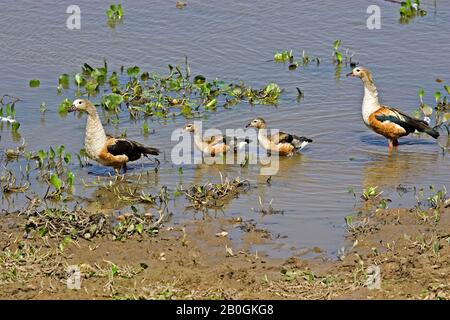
[(404, 124), (407, 122), (132, 149), (231, 141), (125, 147), (282, 137)]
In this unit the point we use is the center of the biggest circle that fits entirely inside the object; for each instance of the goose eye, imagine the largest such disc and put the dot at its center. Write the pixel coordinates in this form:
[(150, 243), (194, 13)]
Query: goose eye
[(357, 70), (79, 102)]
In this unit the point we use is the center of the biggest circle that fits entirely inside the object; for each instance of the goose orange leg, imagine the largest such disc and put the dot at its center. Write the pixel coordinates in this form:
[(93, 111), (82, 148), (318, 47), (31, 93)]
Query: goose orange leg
[(392, 143)]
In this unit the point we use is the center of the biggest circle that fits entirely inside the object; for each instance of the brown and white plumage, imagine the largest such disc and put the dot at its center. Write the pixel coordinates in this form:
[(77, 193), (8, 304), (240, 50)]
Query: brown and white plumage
[(106, 149), (215, 145), (386, 121), (284, 144)]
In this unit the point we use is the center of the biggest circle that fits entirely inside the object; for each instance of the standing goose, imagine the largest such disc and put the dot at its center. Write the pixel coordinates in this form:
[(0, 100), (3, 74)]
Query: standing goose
[(103, 148), (282, 143), (215, 145), (386, 121)]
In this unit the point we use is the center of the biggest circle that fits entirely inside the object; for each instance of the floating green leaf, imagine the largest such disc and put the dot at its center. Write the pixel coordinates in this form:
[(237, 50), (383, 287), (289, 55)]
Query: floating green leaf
[(51, 153), (421, 93), (67, 158), (133, 71), (15, 126), (79, 79), (56, 182), (447, 88), (60, 150), (34, 83), (272, 89), (199, 79), (145, 128), (437, 96), (70, 178), (337, 44), (338, 56), (64, 105), (111, 101), (42, 155), (64, 80), (91, 86), (115, 12), (145, 76), (113, 80), (140, 228), (114, 270), (283, 56), (349, 220), (211, 104)]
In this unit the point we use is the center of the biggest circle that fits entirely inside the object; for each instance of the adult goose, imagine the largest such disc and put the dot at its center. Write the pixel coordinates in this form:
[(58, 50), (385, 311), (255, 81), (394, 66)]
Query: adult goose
[(106, 149), (386, 121), (284, 144)]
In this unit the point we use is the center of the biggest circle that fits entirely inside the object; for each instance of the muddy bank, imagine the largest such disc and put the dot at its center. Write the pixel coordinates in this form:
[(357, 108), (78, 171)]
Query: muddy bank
[(199, 260)]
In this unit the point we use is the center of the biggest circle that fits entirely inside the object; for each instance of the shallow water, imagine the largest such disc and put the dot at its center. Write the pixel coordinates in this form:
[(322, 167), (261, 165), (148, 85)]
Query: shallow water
[(235, 41)]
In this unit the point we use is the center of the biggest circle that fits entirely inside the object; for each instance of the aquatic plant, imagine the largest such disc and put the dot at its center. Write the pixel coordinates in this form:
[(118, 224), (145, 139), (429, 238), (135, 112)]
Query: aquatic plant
[(267, 210), (283, 56), (439, 116), (8, 183), (64, 224), (337, 55), (136, 223), (8, 114), (370, 193), (176, 94), (360, 227), (34, 83), (215, 195), (288, 57), (13, 154), (409, 10), (114, 14), (429, 208), (339, 58)]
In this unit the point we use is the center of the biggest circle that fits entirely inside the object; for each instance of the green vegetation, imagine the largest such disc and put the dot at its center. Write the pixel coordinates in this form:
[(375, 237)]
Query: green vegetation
[(370, 193), (215, 195), (34, 83), (8, 115), (409, 10), (288, 57), (339, 58), (439, 116), (177, 94), (114, 14)]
